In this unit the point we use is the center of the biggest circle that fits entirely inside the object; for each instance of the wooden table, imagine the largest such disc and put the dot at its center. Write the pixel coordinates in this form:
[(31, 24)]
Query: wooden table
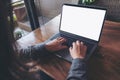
[(104, 64)]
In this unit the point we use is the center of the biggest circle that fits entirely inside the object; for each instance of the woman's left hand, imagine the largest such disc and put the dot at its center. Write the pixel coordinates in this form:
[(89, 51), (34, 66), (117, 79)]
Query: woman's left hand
[(56, 44)]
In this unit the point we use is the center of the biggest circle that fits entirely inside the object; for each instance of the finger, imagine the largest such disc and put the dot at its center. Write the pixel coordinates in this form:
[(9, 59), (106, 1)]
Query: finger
[(74, 45), (81, 43), (61, 40), (70, 49), (85, 48), (64, 47), (78, 43), (81, 46)]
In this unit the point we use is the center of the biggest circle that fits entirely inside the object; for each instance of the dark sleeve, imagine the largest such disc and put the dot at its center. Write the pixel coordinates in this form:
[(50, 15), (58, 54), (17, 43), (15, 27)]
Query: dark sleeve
[(77, 70), (33, 52)]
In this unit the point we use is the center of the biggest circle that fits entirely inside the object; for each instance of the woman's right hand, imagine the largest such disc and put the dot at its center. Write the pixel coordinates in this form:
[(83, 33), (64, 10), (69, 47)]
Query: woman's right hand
[(78, 50)]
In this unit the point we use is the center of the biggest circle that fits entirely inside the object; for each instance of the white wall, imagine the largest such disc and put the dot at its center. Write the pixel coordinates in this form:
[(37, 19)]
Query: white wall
[(51, 8)]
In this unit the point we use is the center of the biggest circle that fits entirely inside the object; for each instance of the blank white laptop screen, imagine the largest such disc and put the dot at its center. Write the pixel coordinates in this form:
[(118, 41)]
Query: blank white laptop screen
[(82, 21)]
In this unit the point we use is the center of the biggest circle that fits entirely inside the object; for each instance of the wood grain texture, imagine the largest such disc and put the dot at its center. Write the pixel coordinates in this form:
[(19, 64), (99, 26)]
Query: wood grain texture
[(104, 64)]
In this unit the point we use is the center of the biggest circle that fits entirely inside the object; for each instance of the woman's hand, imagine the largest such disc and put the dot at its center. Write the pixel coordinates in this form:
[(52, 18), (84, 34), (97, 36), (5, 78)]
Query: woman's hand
[(78, 50), (56, 44)]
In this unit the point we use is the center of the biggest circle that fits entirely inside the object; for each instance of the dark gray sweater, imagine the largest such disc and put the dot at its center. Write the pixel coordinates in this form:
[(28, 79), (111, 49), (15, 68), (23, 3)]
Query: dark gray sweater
[(78, 67)]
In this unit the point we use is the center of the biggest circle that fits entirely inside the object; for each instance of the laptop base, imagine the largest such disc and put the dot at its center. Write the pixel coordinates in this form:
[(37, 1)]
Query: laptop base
[(64, 54)]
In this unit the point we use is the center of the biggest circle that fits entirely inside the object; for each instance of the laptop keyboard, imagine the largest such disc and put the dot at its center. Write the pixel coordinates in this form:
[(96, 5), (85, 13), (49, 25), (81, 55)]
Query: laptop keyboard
[(70, 40), (65, 53)]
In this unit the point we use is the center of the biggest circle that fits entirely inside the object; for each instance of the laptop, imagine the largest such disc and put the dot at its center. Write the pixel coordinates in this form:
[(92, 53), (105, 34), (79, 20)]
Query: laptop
[(83, 23)]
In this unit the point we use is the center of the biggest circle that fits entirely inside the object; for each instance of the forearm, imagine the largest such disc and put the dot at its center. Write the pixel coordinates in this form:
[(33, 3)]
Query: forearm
[(33, 52), (77, 70)]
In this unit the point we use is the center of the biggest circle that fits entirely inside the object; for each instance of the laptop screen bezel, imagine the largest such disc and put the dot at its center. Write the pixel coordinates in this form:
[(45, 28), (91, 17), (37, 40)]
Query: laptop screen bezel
[(86, 6)]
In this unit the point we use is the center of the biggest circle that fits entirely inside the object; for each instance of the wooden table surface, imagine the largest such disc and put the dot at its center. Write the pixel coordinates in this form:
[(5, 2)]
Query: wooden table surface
[(104, 64)]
